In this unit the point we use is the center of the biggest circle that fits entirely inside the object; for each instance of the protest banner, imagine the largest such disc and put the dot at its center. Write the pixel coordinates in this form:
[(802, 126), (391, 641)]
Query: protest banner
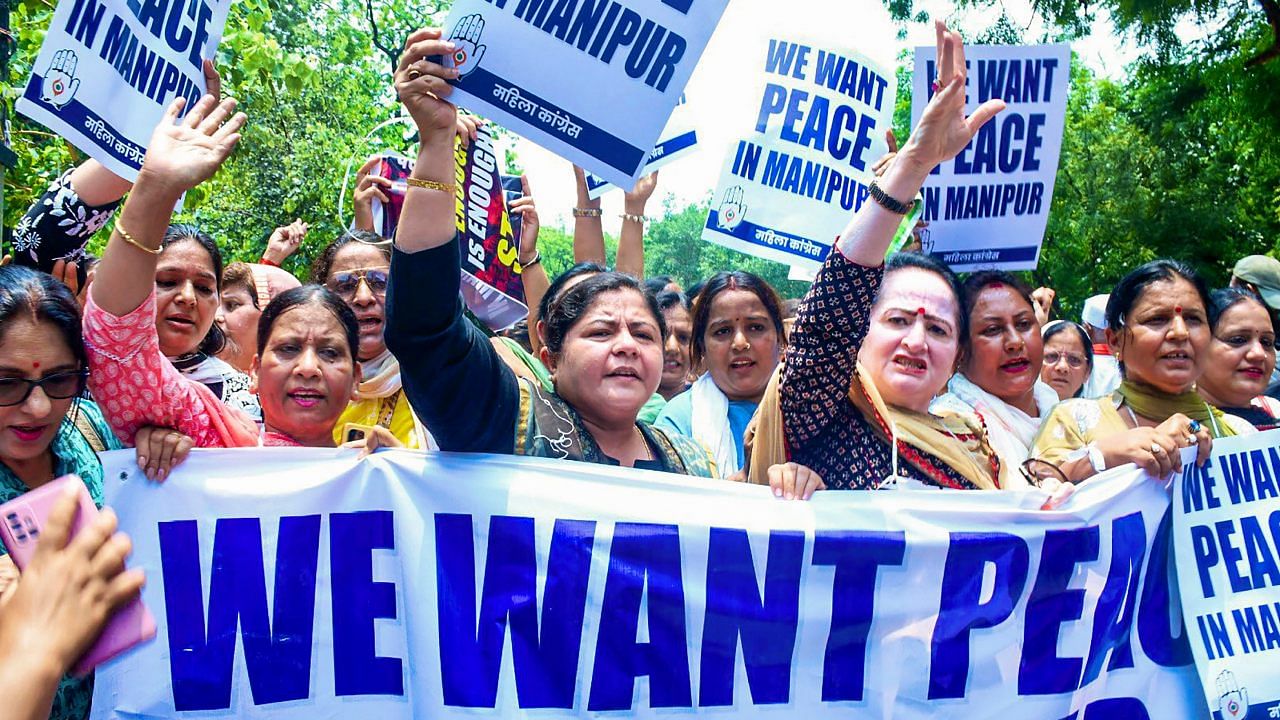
[(678, 139), (108, 69), (628, 61), (492, 285), (988, 207), (1226, 526), (789, 188), (411, 585)]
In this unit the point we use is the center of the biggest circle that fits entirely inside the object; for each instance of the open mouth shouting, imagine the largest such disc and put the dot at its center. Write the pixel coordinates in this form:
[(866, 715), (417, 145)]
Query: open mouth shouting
[(306, 397), (910, 365), (1016, 366), (1177, 358)]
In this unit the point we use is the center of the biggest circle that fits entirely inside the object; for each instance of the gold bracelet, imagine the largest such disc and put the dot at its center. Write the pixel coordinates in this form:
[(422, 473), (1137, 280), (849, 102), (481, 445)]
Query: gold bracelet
[(124, 234), (431, 185), (633, 218), (587, 212)]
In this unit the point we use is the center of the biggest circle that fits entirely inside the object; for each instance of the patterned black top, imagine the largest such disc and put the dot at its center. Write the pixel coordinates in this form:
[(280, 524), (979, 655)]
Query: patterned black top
[(57, 226), (824, 430)]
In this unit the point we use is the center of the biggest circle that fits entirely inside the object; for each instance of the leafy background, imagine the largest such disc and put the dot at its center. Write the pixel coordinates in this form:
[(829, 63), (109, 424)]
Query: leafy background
[(1181, 158)]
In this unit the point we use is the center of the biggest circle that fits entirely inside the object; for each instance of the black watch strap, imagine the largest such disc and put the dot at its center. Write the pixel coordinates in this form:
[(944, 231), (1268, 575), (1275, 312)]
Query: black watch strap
[(891, 204)]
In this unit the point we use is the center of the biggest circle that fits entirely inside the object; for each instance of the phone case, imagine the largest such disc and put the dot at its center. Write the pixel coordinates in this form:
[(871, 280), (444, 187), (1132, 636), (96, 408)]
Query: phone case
[(20, 522)]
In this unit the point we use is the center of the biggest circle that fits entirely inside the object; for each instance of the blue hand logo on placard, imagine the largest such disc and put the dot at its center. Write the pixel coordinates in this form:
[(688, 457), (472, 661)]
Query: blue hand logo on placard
[(60, 81), (1233, 700), (466, 36), (732, 209)]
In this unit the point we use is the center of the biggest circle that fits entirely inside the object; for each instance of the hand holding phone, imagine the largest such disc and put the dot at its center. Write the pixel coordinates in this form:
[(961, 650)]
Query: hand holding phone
[(75, 602)]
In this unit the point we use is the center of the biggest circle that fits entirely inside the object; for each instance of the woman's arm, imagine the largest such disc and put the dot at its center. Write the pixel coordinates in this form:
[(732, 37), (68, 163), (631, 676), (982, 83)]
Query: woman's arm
[(631, 239), (454, 380), (533, 277), (588, 227)]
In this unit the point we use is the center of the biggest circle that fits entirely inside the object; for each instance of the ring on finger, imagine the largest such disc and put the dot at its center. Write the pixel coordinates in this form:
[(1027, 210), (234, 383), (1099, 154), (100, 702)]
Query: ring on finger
[(1194, 426), (414, 73), (1192, 441), (1156, 449)]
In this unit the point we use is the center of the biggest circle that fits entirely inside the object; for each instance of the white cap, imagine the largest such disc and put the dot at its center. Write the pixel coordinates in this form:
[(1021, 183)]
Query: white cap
[(1095, 311)]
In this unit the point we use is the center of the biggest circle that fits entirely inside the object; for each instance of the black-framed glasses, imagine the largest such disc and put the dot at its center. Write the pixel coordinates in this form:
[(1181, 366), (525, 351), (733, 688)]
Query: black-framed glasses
[(1036, 471), (345, 284), (58, 386)]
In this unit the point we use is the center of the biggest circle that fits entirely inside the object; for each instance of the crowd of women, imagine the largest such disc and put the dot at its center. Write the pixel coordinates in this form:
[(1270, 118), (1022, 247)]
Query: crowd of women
[(889, 373)]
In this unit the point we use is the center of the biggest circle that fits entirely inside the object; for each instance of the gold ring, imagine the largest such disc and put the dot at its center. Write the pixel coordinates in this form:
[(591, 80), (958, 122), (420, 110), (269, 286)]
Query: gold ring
[(414, 74)]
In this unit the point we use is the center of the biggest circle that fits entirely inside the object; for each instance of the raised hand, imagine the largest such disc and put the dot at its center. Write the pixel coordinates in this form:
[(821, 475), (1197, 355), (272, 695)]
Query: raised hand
[(60, 81), (944, 129), (584, 194), (635, 200), (468, 51), (285, 241), (528, 212), (732, 208), (422, 85), (181, 156), (1233, 700), (1043, 299)]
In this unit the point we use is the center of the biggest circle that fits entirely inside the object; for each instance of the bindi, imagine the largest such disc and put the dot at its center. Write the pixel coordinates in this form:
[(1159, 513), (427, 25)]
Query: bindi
[(920, 311), (1177, 309), (35, 366)]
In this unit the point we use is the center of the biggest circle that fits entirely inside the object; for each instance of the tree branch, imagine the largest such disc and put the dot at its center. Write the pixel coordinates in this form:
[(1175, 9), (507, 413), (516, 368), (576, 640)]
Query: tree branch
[(391, 54), (1272, 10)]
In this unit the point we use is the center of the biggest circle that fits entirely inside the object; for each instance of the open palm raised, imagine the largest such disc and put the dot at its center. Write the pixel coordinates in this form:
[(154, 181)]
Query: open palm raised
[(184, 154)]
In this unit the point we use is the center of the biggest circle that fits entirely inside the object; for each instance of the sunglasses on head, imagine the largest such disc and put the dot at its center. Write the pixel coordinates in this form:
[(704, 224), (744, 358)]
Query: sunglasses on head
[(346, 284), (58, 386)]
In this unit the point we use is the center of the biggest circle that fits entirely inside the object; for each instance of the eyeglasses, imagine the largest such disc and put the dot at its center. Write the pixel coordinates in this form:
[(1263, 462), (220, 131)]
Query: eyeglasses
[(1036, 471), (1074, 361), (58, 386), (346, 284)]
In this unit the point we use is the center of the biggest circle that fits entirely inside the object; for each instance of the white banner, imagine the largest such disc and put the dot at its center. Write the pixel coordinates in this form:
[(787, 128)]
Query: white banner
[(108, 69), (293, 583), (592, 81), (1227, 540), (679, 138), (988, 207), (787, 190)]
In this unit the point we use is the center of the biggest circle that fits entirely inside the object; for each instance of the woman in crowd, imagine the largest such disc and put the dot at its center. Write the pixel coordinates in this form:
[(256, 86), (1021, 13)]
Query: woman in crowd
[(676, 363), (999, 377), (738, 339), (873, 344), (356, 267), (1242, 355), (305, 372), (602, 337), (1068, 358), (246, 290), (1159, 329), (46, 429)]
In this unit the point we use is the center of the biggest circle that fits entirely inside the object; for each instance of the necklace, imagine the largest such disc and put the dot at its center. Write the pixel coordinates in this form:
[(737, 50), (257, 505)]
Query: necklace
[(648, 454)]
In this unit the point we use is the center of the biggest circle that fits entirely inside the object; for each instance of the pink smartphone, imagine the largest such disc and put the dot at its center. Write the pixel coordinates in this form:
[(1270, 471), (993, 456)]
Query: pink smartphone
[(20, 522)]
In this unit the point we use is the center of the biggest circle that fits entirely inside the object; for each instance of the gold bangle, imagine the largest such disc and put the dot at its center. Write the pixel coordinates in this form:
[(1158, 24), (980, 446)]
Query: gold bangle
[(431, 185), (124, 234), (587, 212), (633, 218)]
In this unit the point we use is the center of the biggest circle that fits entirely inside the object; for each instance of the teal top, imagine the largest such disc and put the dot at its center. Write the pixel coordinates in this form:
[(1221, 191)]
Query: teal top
[(677, 417), (72, 453)]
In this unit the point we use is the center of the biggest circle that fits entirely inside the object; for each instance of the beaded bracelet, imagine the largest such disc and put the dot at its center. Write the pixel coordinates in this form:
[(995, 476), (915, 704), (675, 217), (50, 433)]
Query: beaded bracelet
[(587, 212), (633, 218)]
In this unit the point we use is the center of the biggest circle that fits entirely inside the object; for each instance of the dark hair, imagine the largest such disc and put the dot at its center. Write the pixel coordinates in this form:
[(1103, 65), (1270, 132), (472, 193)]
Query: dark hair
[(928, 263), (565, 311), (657, 283), (28, 293), (323, 264), (1131, 287), (556, 288), (518, 333), (1224, 299), (694, 290), (1060, 326), (309, 295), (240, 274), (214, 340), (975, 283), (733, 280), (668, 299)]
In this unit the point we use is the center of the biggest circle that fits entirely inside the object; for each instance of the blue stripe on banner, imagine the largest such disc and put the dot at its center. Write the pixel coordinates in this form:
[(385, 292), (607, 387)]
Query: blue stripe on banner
[(86, 121), (779, 240), (991, 255), (597, 143), (674, 145)]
